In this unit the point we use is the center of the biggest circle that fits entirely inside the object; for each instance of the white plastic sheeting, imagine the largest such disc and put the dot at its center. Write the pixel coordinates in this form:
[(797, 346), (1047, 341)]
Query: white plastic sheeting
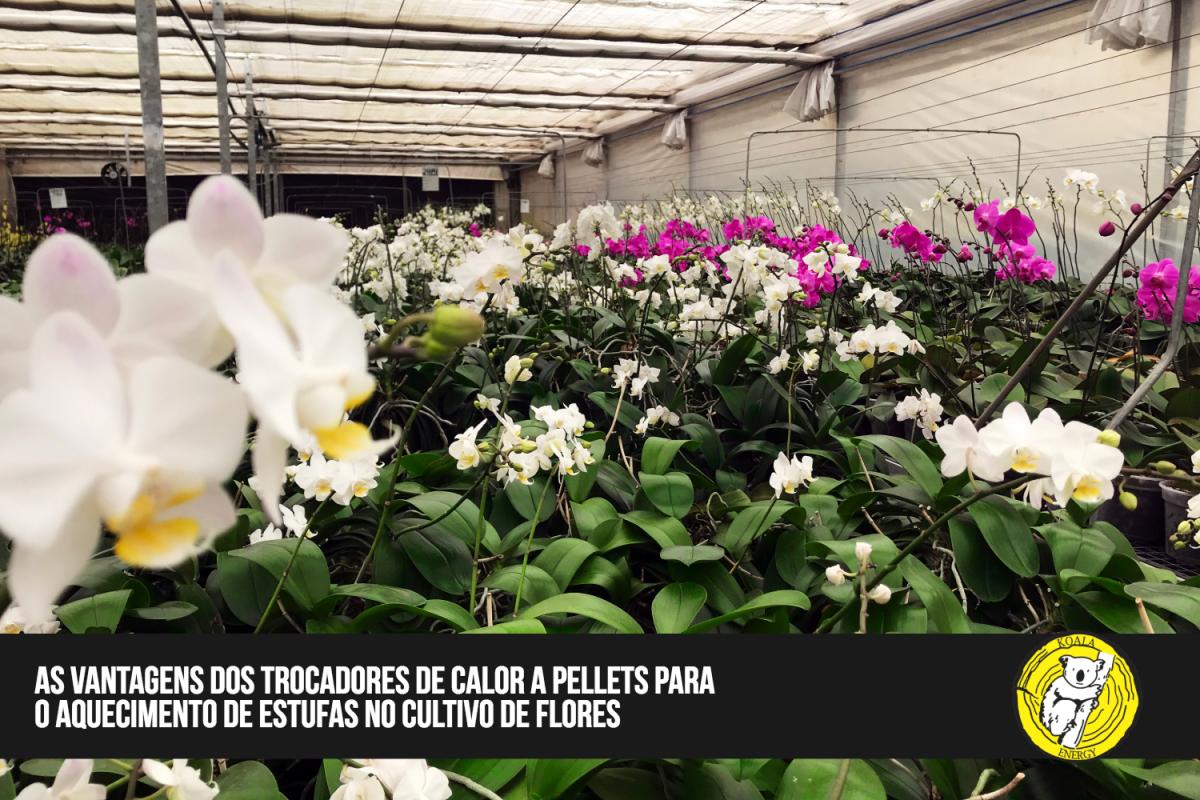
[(674, 133), (499, 79), (1127, 24), (593, 154), (813, 96)]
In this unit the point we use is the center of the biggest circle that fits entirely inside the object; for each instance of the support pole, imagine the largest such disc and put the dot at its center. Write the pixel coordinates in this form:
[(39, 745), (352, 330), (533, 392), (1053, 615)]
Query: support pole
[(251, 134), (218, 23), (152, 113)]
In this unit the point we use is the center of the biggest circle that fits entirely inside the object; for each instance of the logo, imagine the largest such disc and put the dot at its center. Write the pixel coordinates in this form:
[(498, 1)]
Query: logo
[(1076, 697)]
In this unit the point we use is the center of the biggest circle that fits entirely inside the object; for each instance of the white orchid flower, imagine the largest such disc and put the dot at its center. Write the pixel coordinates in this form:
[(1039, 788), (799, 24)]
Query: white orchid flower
[(300, 379), (71, 783), (1020, 444), (515, 370), (359, 784), (464, 449), (779, 363), (146, 454), (963, 450), (224, 223), (789, 475), (139, 316), (408, 778), (181, 781), (15, 620), (1083, 468)]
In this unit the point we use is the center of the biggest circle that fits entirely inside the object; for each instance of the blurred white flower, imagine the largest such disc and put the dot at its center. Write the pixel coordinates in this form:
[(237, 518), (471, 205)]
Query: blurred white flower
[(779, 363), (406, 778), (862, 552), (516, 371), (15, 620), (835, 575), (923, 408), (71, 783), (146, 454), (181, 781), (880, 594)]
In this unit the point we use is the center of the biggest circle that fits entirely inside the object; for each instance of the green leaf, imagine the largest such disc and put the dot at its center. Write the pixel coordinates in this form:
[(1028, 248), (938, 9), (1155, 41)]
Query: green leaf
[(526, 497), (734, 358), (98, 612), (913, 459), (671, 494), (1007, 533), (1180, 777), (165, 612), (665, 531), (385, 595), (584, 605), (627, 783), (985, 574), (941, 603), (563, 558), (248, 780), (512, 626), (441, 558), (595, 518), (492, 773), (1118, 614), (463, 521), (814, 779), (691, 554), (750, 523), (307, 580), (550, 779), (1071, 547), (453, 615), (539, 585), (658, 453), (676, 605), (1183, 601), (714, 782), (782, 598)]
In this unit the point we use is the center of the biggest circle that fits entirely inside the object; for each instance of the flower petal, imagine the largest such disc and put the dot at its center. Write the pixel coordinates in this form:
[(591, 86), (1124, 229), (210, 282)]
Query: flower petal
[(224, 217), (45, 473), (160, 316), (16, 335), (172, 253), (67, 273), (306, 249), (73, 774), (329, 332), (190, 419), (158, 772), (269, 458), (36, 577)]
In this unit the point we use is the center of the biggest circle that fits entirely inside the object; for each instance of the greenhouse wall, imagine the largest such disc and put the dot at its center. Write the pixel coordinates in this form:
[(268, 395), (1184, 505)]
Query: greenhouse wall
[(1074, 105)]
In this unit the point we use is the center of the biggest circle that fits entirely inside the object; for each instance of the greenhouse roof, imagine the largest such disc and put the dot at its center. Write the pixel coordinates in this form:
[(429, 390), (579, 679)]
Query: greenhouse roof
[(469, 80)]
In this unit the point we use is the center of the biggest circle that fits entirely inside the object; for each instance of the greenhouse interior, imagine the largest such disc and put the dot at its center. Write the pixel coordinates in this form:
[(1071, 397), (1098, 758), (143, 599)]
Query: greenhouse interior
[(799, 318)]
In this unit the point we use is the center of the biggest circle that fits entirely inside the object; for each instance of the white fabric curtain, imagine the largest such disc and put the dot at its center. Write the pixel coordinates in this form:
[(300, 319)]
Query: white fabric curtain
[(813, 96), (546, 168), (1129, 24), (593, 154), (674, 133)]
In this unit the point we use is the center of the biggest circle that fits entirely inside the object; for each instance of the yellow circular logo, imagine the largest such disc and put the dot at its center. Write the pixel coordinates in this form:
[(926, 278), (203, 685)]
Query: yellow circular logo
[(1076, 697)]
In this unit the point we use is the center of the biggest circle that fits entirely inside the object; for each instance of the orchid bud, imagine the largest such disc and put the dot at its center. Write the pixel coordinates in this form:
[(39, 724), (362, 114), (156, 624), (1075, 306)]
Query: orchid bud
[(606, 370), (1136, 208), (526, 362), (455, 326), (1127, 273), (1107, 228), (1165, 467), (527, 446), (430, 348), (1184, 527), (1110, 438), (1178, 545), (589, 425), (880, 594), (968, 206), (862, 551), (1128, 501), (835, 575)]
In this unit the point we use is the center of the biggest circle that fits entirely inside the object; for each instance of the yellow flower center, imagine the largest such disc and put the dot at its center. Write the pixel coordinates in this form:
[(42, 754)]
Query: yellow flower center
[(1024, 460), (146, 540), (344, 441), (1087, 490)]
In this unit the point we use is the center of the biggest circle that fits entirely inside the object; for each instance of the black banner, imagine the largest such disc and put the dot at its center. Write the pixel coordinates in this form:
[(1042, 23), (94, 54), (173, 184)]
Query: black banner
[(604, 696)]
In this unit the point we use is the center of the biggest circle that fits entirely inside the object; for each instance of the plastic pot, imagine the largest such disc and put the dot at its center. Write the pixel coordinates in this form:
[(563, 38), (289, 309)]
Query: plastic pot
[(1175, 501), (1144, 523)]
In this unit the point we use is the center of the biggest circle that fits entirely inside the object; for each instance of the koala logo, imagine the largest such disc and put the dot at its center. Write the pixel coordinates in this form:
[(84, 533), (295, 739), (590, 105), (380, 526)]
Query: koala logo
[(1076, 697)]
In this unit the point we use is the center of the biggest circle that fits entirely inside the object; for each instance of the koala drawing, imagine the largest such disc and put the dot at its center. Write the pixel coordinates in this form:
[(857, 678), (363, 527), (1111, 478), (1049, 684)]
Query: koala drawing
[(1072, 696)]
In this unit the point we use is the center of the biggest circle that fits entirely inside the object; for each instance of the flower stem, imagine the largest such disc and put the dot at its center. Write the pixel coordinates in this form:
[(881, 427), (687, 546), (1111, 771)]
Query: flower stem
[(463, 780), (301, 538), (890, 567), (537, 516)]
